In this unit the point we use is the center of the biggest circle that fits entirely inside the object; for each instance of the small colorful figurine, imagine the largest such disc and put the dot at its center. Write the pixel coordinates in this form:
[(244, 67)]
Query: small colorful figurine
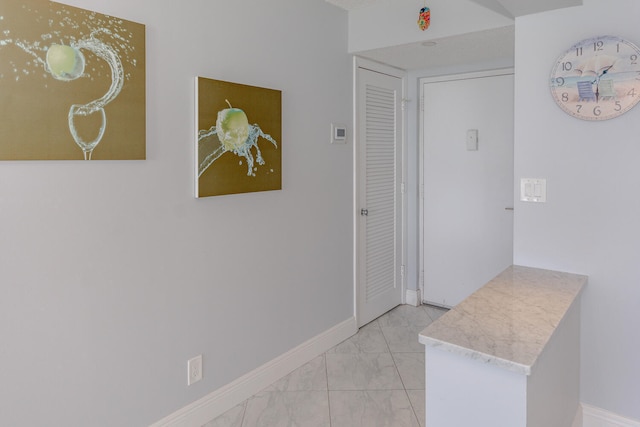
[(424, 18)]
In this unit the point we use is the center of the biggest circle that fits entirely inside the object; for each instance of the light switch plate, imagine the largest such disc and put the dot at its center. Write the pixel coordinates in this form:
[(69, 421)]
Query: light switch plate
[(533, 190)]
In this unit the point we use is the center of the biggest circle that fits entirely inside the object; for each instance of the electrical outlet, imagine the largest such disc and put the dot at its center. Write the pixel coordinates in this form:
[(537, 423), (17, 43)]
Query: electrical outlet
[(194, 370)]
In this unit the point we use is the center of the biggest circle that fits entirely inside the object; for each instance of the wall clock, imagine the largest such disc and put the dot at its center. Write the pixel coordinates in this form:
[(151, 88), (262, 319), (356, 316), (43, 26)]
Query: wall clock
[(597, 78)]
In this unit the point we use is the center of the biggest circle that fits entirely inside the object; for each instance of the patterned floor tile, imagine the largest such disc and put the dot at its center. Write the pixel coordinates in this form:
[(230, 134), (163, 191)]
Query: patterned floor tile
[(417, 401), (369, 339), (411, 369), (231, 418), (434, 312), (405, 315), (312, 376), (363, 371), (403, 339), (371, 408), (288, 409)]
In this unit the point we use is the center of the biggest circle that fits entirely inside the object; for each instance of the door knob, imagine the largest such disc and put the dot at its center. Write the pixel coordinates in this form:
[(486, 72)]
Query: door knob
[(364, 212)]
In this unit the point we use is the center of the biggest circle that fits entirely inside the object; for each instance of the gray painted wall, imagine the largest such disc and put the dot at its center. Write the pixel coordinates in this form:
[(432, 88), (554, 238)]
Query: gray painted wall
[(113, 274), (590, 223)]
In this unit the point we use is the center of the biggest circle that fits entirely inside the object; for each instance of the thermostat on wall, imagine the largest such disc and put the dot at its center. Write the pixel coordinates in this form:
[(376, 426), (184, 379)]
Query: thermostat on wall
[(338, 134)]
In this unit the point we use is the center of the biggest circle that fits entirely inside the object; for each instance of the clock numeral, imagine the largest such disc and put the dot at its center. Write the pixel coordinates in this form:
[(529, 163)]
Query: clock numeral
[(618, 106), (634, 59), (560, 81), (567, 66), (618, 48), (565, 97), (598, 46), (632, 93), (597, 111), (578, 108), (579, 51)]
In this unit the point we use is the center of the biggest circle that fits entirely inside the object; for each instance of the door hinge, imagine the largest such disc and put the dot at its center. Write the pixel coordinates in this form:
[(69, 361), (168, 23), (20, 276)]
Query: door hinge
[(402, 188), (402, 271)]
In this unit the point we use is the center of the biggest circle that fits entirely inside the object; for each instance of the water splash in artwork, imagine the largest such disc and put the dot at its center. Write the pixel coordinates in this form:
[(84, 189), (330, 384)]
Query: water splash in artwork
[(232, 133), (61, 56), (106, 53)]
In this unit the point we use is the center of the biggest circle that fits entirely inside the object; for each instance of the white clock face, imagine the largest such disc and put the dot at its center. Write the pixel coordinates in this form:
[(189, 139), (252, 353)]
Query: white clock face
[(598, 78)]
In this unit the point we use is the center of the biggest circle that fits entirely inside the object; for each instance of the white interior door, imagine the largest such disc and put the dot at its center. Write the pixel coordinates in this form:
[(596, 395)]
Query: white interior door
[(468, 195), (379, 199)]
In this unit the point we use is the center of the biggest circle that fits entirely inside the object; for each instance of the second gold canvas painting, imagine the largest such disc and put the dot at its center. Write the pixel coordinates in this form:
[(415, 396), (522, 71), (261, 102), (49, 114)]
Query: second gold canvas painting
[(238, 141)]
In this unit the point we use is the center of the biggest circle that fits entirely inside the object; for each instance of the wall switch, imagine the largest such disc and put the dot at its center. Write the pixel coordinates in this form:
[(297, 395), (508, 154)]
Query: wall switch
[(472, 140), (533, 190), (194, 370)]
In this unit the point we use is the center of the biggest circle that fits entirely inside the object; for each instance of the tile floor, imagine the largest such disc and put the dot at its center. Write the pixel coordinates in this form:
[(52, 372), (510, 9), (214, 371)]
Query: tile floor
[(373, 379)]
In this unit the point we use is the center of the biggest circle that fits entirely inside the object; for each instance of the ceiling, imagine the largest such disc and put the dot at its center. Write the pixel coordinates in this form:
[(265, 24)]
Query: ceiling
[(509, 8), (489, 46)]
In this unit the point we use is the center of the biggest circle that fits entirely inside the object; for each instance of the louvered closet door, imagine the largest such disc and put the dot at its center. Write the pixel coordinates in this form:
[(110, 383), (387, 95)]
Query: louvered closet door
[(379, 166)]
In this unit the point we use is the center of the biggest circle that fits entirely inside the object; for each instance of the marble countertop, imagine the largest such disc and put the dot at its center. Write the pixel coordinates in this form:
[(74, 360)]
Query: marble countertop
[(509, 320)]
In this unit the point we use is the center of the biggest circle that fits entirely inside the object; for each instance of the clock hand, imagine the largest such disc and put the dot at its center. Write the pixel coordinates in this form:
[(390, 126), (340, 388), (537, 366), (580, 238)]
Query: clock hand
[(605, 71)]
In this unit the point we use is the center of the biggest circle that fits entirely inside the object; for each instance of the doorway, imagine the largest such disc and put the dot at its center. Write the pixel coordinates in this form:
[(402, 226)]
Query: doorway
[(467, 198)]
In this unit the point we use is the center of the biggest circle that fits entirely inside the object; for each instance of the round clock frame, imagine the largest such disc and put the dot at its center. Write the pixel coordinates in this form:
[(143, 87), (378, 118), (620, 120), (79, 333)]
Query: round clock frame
[(597, 78)]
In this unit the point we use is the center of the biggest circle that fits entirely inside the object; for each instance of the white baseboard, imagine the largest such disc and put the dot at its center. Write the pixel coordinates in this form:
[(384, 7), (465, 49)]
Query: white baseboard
[(596, 417), (218, 402), (412, 297)]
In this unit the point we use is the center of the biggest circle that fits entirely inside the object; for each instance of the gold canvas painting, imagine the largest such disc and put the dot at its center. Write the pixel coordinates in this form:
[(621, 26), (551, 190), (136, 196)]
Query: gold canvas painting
[(72, 84), (239, 138)]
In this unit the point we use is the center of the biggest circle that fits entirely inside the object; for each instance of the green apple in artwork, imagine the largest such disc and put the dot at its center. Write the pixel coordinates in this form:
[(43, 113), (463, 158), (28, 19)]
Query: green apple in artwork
[(232, 127), (65, 62)]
